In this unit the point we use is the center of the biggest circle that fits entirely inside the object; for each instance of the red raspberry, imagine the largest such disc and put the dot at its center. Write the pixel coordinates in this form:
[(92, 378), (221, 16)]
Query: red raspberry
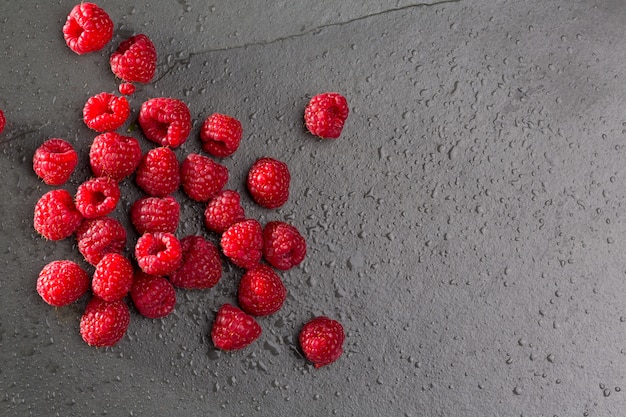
[(3, 121), (105, 112), (201, 266), (158, 173), (326, 114), (135, 59), (155, 214), (88, 28), (104, 323), (153, 296), (321, 340), (62, 282), (56, 216), (97, 237), (158, 253), (201, 177), (126, 89), (268, 182), (113, 277), (221, 135), (54, 161), (97, 197), (114, 155), (261, 291), (166, 121), (223, 210), (233, 329), (242, 243), (283, 245)]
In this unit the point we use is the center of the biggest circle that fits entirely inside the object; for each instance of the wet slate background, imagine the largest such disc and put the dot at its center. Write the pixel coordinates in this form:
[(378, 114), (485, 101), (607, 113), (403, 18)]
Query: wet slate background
[(467, 229)]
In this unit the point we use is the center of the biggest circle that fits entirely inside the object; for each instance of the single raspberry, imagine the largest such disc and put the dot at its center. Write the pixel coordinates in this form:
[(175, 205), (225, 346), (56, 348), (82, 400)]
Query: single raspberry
[(268, 182), (113, 277), (158, 253), (97, 197), (158, 173), (201, 177), (321, 340), (283, 245), (155, 214), (223, 210), (114, 155), (134, 60), (56, 216), (104, 323), (126, 89), (233, 329), (326, 114), (62, 282), (221, 135), (54, 161), (3, 121), (105, 112), (201, 267), (153, 296), (97, 237), (261, 291), (166, 121), (242, 243), (88, 28)]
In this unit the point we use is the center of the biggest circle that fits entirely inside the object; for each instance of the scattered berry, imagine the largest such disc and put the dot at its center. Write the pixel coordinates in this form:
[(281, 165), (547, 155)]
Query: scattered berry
[(104, 323), (114, 155), (97, 237), (56, 216), (233, 329), (105, 112), (153, 296), (268, 182), (97, 197), (221, 135), (134, 60), (112, 278), (321, 340), (223, 210), (54, 161), (3, 121), (88, 28), (242, 243), (166, 121), (261, 291), (155, 214), (62, 282), (326, 114), (158, 173), (202, 178), (126, 89), (201, 266), (158, 253), (283, 245)]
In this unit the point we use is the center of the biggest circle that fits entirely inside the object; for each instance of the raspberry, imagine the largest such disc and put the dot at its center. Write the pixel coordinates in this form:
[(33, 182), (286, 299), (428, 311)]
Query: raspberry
[(158, 173), (134, 60), (62, 282), (326, 114), (97, 197), (104, 323), (97, 237), (242, 243), (155, 214), (283, 245), (223, 210), (261, 291), (105, 112), (54, 161), (114, 155), (321, 340), (201, 266), (268, 182), (158, 253), (113, 277), (88, 28), (56, 216), (221, 135), (126, 89), (202, 178), (165, 121), (3, 121), (233, 329), (153, 296)]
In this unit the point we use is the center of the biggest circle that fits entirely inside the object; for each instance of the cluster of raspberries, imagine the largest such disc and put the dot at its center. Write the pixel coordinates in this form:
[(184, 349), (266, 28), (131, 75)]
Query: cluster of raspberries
[(162, 261)]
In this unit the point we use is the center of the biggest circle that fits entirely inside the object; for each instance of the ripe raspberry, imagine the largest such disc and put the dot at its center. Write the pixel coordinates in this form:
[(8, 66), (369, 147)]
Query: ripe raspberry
[(201, 177), (155, 214), (201, 266), (56, 216), (223, 210), (3, 121), (242, 243), (113, 277), (321, 340), (126, 89), (221, 135), (233, 329), (104, 323), (158, 253), (54, 161), (97, 237), (326, 114), (114, 155), (268, 182), (166, 121), (261, 291), (62, 282), (105, 112), (153, 296), (88, 28), (283, 245), (158, 173), (97, 197), (135, 60)]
